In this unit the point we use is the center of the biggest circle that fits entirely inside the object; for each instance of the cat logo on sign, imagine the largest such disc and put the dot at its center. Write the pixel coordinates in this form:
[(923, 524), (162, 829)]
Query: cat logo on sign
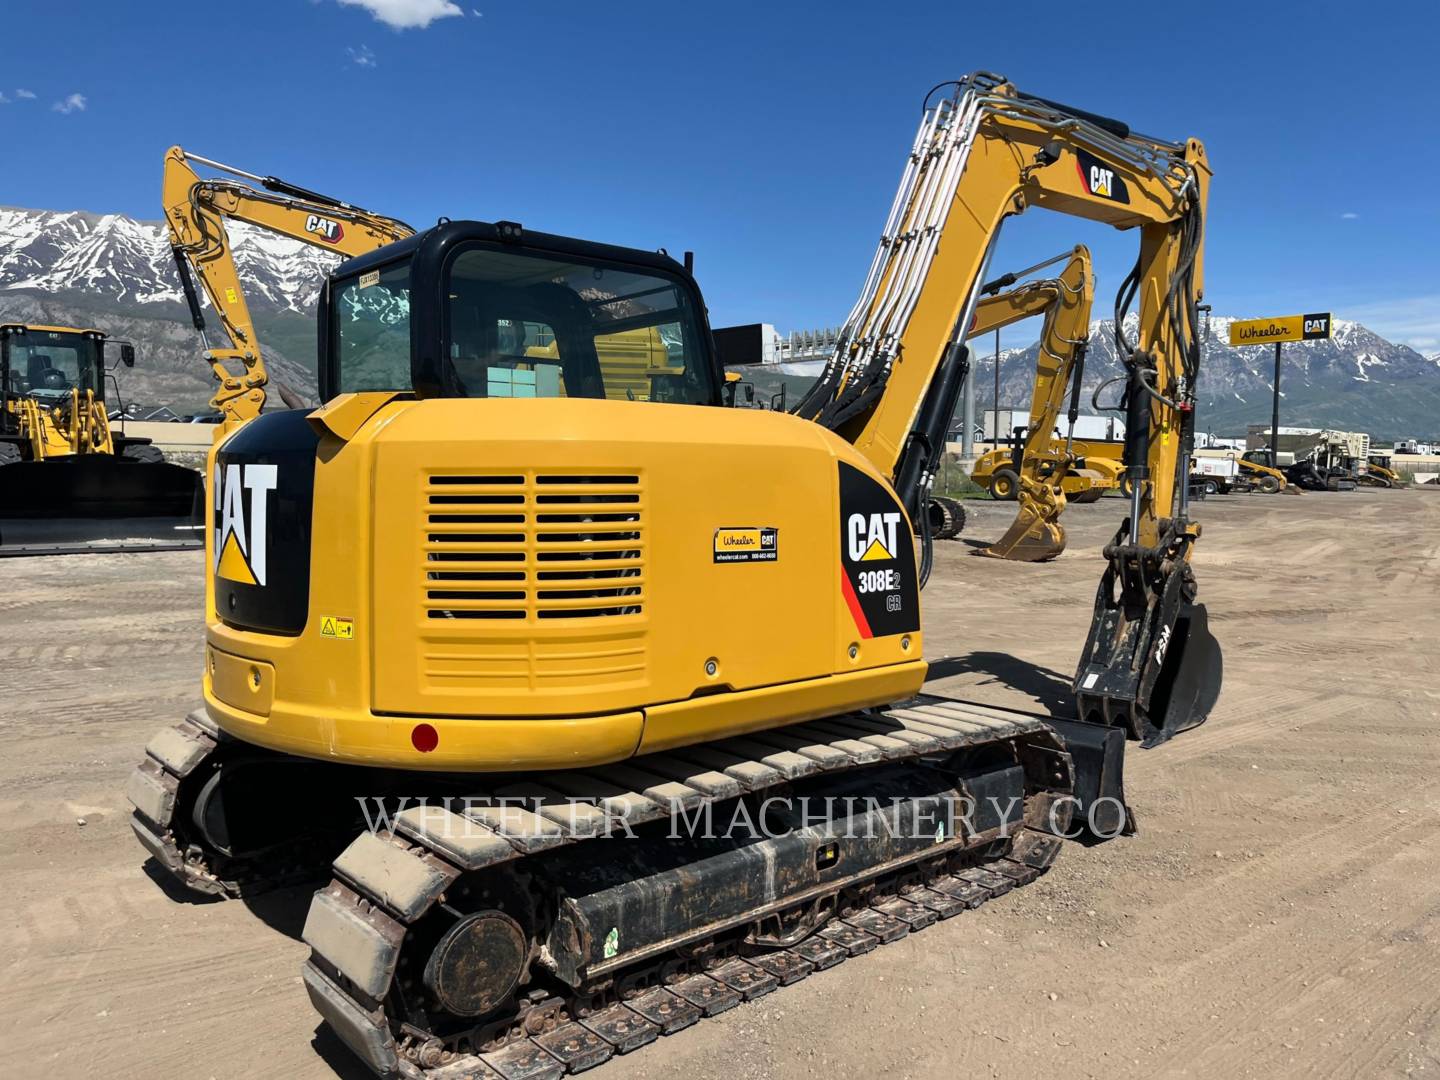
[(242, 498)]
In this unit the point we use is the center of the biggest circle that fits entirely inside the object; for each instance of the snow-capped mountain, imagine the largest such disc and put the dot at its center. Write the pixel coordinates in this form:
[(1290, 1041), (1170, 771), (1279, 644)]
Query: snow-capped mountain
[(1355, 381), (117, 274), (129, 262)]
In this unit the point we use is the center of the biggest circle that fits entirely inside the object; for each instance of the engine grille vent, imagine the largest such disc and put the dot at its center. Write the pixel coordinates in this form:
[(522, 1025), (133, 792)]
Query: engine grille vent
[(533, 546)]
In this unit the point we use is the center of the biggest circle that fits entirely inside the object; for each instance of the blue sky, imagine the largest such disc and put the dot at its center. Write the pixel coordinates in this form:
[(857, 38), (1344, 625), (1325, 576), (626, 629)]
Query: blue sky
[(767, 137)]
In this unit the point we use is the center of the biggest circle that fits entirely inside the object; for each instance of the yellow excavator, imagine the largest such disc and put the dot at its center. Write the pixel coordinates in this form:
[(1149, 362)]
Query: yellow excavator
[(629, 690), (196, 210), (1038, 479), (70, 482), (1041, 470)]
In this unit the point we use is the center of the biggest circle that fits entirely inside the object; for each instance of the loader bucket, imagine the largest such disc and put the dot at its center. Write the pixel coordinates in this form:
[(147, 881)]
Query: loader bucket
[(99, 503), (1189, 682), (1035, 535)]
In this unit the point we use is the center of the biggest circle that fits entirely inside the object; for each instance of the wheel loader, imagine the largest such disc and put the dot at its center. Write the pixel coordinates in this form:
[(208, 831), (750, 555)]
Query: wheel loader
[(69, 482), (613, 705)]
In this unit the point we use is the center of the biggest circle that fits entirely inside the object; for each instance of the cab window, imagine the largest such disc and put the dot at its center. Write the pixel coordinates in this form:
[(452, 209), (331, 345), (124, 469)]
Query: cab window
[(525, 325)]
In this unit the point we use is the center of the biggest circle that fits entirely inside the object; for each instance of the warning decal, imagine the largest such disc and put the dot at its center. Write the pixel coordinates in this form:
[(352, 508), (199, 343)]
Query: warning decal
[(332, 626)]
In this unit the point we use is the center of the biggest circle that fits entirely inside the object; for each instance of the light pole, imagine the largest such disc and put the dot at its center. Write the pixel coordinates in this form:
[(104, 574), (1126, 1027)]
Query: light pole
[(1275, 415), (995, 422)]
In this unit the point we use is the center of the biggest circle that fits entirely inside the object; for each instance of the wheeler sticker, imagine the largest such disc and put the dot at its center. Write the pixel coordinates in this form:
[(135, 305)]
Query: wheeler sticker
[(750, 543), (1099, 179), (877, 558)]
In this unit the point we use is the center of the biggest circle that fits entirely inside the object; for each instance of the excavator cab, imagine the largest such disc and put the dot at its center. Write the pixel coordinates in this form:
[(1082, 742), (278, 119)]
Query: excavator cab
[(522, 326), (68, 482)]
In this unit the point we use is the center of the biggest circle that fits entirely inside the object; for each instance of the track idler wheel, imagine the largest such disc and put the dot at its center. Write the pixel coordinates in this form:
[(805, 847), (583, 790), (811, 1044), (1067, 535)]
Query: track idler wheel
[(478, 963), (1190, 676)]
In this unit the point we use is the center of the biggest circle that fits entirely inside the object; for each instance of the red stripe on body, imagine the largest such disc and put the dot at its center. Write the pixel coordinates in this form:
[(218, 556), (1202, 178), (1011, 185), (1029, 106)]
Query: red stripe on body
[(853, 603)]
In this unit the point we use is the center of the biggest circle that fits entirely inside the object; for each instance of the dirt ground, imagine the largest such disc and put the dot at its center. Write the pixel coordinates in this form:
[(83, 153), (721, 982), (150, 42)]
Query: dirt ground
[(1277, 915)]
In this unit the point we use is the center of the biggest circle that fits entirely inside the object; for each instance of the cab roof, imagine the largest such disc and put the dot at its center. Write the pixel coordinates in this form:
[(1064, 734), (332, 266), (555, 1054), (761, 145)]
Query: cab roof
[(53, 329)]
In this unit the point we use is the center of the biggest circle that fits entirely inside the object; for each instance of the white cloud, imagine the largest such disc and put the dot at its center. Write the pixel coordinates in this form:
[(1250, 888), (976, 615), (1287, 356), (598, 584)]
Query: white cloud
[(1412, 320), (1349, 215), (407, 14), (3, 99), (24, 95), (362, 57), (73, 103)]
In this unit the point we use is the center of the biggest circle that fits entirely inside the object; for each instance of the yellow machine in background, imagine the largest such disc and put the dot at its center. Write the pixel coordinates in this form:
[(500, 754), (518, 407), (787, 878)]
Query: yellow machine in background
[(1038, 479), (54, 392), (616, 609), (1381, 471), (68, 482), (196, 210), (1266, 480)]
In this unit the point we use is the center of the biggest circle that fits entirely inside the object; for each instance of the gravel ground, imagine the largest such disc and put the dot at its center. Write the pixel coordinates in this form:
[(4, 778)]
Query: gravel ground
[(1276, 915)]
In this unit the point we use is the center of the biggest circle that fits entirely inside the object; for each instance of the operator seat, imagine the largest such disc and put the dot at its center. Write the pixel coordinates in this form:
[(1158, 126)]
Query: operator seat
[(43, 375)]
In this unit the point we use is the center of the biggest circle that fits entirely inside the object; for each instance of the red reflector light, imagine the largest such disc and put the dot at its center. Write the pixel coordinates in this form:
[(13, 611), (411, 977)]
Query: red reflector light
[(424, 738)]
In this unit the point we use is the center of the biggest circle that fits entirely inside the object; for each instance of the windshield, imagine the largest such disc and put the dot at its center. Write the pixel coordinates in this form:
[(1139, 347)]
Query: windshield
[(48, 363), (529, 325)]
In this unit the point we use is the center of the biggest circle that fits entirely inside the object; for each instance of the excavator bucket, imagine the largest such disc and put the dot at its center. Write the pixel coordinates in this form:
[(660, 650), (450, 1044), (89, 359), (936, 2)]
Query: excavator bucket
[(1152, 667), (1190, 678), (1036, 534), (99, 503), (1032, 537)]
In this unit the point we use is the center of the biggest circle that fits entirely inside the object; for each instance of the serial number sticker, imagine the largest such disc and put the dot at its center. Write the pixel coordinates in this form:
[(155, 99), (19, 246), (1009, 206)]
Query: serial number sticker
[(332, 626), (230, 297), (750, 543), (370, 277)]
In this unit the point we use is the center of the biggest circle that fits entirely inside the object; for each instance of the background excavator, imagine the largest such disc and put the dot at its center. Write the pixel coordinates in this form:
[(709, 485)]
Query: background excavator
[(1038, 456), (69, 482), (565, 619), (1040, 465), (196, 210)]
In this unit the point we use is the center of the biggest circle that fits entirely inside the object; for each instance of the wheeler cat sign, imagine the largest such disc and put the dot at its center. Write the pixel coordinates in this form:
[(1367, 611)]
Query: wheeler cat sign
[(1314, 327)]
